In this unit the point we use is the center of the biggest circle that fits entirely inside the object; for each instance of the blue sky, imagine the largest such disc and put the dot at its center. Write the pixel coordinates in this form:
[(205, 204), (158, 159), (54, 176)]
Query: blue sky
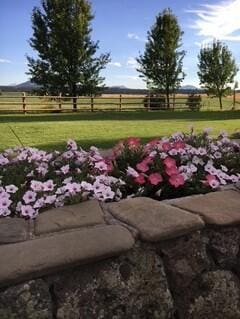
[(121, 27)]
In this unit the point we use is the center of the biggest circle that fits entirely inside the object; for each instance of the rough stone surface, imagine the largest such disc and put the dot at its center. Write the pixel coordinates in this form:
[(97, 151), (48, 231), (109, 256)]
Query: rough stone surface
[(184, 259), (30, 300), (81, 215), (154, 220), (200, 274), (219, 297), (132, 286), (41, 256), (219, 208), (195, 276), (224, 247), (13, 230)]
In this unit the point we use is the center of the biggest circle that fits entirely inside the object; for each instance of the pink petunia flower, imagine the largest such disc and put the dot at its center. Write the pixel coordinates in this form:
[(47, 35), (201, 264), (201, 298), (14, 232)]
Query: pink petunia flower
[(72, 145), (133, 141), (166, 146), (155, 178), (179, 145), (36, 186), (29, 197), (28, 211), (171, 170), (140, 179), (65, 169), (11, 189), (176, 180), (132, 172), (48, 186), (142, 167), (101, 166), (169, 162)]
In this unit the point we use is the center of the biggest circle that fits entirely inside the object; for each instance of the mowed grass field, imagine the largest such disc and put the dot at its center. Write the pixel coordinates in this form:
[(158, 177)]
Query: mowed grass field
[(104, 129)]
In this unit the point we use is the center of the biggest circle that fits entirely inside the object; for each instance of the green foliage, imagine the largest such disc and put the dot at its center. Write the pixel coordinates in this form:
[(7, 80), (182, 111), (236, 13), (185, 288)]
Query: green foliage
[(194, 102), (66, 59), (162, 62), (217, 69), (155, 102)]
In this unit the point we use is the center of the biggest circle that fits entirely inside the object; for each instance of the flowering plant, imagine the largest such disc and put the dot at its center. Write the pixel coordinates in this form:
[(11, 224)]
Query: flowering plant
[(33, 180), (179, 165)]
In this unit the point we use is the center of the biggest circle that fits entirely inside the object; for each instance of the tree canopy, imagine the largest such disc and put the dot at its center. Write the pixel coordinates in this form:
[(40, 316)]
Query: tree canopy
[(66, 56), (161, 65), (217, 69)]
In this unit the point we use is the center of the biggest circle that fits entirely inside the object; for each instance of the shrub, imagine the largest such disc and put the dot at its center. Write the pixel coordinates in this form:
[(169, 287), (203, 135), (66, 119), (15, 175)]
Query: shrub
[(194, 102), (156, 102)]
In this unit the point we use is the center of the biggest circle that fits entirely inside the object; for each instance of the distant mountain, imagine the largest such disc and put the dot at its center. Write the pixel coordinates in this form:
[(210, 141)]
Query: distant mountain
[(189, 87), (27, 85), (118, 87)]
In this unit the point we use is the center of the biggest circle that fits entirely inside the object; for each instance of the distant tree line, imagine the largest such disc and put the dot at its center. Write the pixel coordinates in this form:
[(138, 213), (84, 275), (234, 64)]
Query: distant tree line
[(67, 60)]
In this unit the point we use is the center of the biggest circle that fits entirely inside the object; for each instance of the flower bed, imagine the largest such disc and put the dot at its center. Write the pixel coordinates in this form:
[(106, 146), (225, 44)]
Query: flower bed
[(33, 180)]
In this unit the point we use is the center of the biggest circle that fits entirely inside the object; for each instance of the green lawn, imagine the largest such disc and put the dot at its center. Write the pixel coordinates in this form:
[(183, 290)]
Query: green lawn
[(103, 129)]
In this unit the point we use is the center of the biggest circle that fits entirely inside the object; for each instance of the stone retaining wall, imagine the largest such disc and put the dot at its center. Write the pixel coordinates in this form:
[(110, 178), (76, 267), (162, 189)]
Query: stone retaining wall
[(135, 259)]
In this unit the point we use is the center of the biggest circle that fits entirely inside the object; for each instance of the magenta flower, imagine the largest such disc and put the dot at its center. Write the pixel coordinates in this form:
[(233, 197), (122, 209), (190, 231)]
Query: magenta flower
[(176, 180), (155, 178), (169, 162), (140, 179), (142, 167)]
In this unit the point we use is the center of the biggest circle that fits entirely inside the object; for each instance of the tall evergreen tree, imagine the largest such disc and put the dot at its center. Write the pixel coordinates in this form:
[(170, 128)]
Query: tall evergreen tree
[(162, 62), (217, 69), (66, 61)]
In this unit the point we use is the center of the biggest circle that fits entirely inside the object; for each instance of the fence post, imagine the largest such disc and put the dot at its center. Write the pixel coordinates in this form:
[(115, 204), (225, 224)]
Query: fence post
[(120, 102), (149, 102), (74, 103), (60, 101), (92, 103), (24, 102)]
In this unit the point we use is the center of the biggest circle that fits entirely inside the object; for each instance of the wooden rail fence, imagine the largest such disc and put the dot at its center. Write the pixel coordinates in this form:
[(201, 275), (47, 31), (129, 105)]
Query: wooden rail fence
[(31, 103)]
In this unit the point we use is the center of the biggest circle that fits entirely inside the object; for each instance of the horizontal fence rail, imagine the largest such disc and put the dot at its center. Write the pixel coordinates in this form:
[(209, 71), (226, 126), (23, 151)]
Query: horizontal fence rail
[(32, 103)]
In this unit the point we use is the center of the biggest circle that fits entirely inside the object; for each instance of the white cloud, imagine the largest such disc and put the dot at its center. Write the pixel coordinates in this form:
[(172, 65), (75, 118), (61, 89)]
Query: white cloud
[(132, 63), (117, 64), (218, 21), (134, 36), (5, 61)]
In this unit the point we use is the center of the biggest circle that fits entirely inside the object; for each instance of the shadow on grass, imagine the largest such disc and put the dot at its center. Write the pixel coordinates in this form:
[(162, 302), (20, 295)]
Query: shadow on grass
[(122, 116), (104, 144)]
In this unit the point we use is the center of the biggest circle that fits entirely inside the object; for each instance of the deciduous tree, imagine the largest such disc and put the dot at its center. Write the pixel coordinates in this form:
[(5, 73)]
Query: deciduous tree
[(217, 69), (162, 62), (66, 55)]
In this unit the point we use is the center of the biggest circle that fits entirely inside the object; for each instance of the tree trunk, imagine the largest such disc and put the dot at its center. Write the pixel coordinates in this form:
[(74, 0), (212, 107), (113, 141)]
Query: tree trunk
[(168, 98), (74, 95), (220, 101)]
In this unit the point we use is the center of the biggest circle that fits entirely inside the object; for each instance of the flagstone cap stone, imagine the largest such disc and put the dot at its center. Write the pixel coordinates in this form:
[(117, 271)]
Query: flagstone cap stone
[(85, 214), (44, 255), (154, 220), (13, 230), (218, 208)]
